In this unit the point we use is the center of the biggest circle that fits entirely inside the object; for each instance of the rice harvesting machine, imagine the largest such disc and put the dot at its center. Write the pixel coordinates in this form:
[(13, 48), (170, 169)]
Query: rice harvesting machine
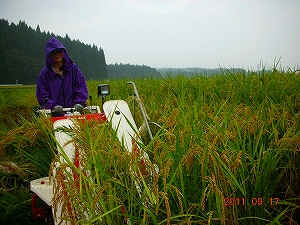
[(113, 112)]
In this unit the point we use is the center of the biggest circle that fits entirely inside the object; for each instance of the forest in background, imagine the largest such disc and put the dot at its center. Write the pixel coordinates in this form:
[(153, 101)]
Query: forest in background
[(131, 71), (22, 54), (192, 71)]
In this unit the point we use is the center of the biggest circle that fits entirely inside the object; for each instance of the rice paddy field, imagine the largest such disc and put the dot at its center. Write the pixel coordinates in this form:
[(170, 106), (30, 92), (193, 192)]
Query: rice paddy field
[(227, 149)]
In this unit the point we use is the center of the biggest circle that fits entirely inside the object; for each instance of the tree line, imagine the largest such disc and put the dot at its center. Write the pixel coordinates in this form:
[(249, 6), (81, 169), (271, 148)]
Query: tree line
[(22, 54), (131, 71)]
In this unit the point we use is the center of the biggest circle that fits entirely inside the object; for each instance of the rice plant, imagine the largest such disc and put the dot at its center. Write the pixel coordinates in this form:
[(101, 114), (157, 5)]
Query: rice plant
[(227, 149)]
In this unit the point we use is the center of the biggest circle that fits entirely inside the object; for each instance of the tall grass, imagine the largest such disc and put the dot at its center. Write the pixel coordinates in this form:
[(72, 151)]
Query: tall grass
[(14, 102), (26, 152), (229, 144)]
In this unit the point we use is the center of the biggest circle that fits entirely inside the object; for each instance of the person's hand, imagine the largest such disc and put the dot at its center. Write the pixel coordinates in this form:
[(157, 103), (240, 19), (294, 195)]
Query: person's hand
[(58, 109), (78, 107)]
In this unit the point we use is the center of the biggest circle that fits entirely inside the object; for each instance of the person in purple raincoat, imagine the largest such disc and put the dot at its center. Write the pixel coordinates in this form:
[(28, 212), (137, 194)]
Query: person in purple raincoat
[(60, 82)]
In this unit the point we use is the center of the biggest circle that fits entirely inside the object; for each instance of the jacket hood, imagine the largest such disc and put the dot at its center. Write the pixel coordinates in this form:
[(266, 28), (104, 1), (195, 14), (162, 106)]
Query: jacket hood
[(54, 44)]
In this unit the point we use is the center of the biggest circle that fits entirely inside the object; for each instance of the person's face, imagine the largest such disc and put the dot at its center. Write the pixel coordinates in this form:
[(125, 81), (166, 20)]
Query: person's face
[(57, 56)]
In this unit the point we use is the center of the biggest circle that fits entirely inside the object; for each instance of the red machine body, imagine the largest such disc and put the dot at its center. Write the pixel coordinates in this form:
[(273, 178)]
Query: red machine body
[(100, 117)]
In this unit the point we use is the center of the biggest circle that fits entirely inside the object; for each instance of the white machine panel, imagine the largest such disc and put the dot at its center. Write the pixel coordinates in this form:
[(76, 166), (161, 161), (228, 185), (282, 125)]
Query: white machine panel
[(118, 113)]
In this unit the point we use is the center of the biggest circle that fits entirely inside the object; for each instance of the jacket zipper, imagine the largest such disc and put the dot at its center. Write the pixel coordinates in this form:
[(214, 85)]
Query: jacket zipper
[(63, 91)]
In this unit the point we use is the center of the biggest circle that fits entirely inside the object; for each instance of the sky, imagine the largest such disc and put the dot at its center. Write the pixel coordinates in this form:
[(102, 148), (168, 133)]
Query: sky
[(247, 34)]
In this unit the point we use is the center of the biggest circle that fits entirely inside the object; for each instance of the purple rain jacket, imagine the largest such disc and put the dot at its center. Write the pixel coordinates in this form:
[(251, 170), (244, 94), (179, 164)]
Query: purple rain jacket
[(66, 90)]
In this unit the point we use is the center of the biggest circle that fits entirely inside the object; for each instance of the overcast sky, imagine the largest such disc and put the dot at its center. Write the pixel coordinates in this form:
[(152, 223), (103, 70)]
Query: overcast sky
[(173, 33)]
